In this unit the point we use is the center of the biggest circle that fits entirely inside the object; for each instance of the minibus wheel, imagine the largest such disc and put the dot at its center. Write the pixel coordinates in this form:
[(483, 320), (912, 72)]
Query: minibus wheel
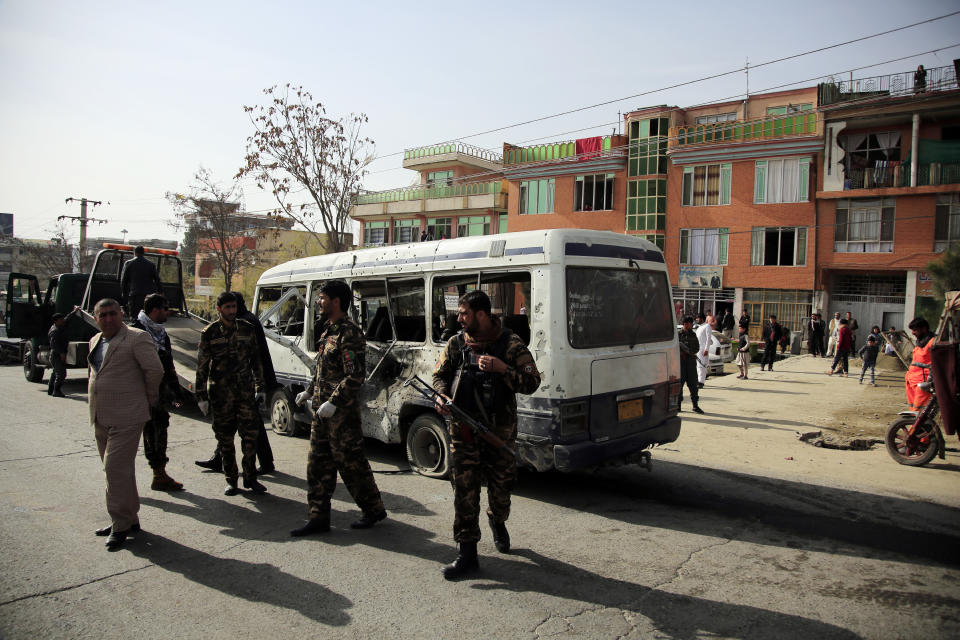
[(428, 446), (281, 413)]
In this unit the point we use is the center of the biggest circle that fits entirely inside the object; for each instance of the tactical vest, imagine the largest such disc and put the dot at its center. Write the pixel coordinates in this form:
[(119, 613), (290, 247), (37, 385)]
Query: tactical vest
[(481, 393)]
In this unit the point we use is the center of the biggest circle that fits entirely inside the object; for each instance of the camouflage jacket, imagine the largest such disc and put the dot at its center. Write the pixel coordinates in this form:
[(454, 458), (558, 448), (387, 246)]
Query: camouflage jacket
[(341, 369), (228, 358), (689, 344), (521, 375)]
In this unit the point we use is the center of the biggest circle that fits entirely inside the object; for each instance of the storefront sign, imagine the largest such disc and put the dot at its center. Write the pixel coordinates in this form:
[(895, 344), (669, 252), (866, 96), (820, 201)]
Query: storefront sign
[(701, 277), (924, 284)]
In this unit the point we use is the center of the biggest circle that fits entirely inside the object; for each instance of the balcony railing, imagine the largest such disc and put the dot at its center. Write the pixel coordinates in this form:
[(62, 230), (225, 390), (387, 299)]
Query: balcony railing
[(897, 84), (451, 147), (899, 176), (552, 151), (798, 124), (427, 192)]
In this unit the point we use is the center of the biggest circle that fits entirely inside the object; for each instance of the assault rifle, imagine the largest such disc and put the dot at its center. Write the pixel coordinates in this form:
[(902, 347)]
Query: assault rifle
[(459, 415)]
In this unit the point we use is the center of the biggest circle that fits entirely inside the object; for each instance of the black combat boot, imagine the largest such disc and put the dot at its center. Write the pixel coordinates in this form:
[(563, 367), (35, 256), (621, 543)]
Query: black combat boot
[(316, 524), (215, 463), (253, 485), (367, 520), (501, 538), (466, 562)]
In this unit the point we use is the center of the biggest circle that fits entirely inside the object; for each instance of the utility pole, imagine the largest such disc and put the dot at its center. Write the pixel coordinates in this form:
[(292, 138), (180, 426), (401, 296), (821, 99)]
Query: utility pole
[(83, 220)]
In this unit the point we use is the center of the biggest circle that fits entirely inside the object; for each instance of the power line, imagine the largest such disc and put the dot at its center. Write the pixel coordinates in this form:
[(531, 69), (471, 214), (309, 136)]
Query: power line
[(689, 82)]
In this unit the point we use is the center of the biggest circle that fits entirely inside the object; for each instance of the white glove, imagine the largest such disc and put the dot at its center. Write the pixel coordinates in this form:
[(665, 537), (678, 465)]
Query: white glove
[(204, 406), (302, 397), (260, 398), (326, 410)]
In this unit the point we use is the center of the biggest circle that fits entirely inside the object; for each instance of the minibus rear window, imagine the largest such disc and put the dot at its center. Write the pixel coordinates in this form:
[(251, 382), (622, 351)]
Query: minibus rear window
[(612, 307)]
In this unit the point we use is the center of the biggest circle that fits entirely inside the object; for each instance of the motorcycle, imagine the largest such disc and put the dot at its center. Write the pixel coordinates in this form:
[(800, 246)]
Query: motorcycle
[(915, 439)]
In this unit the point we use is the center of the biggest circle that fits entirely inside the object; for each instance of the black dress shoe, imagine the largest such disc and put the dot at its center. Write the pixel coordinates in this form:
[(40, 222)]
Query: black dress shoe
[(106, 530), (213, 464), (367, 520), (231, 488), (320, 524), (254, 486), (697, 409), (267, 468), (116, 540)]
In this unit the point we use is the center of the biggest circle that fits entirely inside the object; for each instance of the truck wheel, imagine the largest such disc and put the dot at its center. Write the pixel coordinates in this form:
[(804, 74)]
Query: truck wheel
[(31, 371), (428, 446), (281, 413)]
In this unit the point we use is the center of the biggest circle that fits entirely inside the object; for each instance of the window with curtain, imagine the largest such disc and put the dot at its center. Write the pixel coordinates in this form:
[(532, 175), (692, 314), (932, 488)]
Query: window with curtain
[(779, 246), (406, 231), (947, 222), (865, 226), (782, 180), (704, 246), (536, 196), (706, 185), (866, 150)]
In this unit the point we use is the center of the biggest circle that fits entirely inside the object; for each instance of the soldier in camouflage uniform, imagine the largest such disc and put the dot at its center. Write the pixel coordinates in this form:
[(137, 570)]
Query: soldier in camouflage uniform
[(229, 356), (482, 368), (336, 438)]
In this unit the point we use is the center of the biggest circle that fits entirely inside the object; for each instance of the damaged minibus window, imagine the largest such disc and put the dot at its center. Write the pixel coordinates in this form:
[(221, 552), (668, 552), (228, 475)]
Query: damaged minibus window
[(509, 298)]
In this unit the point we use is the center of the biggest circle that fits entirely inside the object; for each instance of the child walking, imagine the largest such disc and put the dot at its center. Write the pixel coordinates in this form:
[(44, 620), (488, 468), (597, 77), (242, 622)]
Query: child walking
[(868, 353), (743, 353)]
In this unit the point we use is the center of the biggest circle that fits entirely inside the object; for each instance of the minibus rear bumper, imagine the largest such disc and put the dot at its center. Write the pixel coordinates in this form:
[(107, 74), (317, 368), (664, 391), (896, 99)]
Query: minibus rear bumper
[(626, 450)]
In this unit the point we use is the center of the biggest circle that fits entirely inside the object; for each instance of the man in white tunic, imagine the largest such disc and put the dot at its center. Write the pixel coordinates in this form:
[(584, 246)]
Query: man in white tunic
[(704, 331)]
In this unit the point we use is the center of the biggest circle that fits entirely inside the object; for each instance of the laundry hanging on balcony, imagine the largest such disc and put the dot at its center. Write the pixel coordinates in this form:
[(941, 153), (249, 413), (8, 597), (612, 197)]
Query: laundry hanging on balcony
[(589, 148)]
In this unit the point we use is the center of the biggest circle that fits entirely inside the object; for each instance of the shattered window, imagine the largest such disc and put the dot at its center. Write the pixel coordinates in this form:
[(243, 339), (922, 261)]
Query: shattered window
[(509, 299), (608, 307)]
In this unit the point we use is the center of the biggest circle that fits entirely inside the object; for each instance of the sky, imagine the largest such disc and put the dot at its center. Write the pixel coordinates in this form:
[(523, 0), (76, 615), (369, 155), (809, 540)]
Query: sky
[(122, 102)]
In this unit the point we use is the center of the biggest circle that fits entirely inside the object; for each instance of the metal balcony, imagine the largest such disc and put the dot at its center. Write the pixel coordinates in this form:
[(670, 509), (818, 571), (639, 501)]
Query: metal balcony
[(896, 84)]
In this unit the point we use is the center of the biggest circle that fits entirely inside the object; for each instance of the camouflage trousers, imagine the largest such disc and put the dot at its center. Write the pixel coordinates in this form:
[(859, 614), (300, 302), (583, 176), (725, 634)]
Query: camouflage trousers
[(236, 413), (336, 444), (155, 437), (476, 461)]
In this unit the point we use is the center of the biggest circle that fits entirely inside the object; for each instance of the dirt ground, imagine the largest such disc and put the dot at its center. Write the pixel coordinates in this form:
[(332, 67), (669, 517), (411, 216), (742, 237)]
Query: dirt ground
[(840, 407)]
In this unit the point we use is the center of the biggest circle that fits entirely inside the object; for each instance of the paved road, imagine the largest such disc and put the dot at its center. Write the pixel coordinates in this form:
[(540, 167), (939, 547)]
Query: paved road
[(690, 550)]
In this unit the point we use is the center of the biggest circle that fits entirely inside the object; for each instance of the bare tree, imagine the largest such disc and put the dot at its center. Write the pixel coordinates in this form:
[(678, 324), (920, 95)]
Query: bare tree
[(222, 229), (297, 152), (44, 259)]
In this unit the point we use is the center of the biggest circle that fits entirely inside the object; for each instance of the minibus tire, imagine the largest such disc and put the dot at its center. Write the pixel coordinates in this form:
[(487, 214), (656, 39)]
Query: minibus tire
[(31, 371), (428, 446), (281, 413)]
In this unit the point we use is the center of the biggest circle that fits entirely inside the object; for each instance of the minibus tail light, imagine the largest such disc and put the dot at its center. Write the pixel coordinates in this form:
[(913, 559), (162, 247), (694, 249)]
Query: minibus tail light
[(673, 396), (573, 418)]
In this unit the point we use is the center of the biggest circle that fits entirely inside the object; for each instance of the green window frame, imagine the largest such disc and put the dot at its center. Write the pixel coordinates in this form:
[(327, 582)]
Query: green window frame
[(405, 231), (781, 180), (440, 227), (375, 232), (473, 226), (537, 196), (778, 247), (646, 205), (593, 192), (696, 245), (440, 178), (697, 188)]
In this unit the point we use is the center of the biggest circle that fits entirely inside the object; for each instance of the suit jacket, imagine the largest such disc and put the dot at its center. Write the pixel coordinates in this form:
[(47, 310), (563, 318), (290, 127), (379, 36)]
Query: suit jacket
[(128, 382), (139, 277)]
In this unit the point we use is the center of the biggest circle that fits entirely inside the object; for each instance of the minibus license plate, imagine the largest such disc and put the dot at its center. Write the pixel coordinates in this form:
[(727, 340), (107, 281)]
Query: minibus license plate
[(630, 409)]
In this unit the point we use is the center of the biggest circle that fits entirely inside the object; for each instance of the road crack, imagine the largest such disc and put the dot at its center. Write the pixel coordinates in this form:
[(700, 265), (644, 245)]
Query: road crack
[(71, 587)]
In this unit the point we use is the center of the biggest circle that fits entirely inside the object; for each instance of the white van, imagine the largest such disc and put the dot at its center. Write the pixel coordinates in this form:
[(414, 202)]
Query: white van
[(594, 307)]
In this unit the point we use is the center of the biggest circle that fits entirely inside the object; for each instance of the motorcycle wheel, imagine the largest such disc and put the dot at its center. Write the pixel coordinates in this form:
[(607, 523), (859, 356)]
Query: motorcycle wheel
[(916, 450)]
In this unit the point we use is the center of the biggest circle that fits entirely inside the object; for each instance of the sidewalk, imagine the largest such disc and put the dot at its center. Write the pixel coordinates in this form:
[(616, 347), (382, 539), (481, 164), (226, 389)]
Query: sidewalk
[(750, 426)]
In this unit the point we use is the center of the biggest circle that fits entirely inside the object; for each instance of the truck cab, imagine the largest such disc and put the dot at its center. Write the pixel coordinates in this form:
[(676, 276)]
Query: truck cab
[(29, 310)]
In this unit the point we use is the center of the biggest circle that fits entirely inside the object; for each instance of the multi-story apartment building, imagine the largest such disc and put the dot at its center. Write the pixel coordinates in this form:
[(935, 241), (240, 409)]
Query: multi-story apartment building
[(889, 194), (740, 206), (459, 193), (788, 202)]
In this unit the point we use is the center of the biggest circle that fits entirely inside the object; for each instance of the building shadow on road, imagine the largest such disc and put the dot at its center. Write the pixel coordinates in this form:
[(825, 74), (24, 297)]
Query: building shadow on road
[(778, 512), (713, 420), (671, 615), (256, 582)]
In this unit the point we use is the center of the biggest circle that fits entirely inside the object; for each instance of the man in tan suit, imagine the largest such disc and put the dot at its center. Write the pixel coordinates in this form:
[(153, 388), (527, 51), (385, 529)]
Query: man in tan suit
[(125, 374)]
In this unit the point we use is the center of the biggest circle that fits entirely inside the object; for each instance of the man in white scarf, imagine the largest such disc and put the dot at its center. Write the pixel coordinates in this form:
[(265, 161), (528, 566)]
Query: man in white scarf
[(151, 319)]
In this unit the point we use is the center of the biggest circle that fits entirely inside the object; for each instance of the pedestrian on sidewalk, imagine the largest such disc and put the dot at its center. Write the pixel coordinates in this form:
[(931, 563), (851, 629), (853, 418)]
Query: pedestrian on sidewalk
[(844, 347), (853, 325), (784, 341), (833, 331), (704, 331), (815, 329), (771, 336), (728, 324), (743, 353), (868, 354)]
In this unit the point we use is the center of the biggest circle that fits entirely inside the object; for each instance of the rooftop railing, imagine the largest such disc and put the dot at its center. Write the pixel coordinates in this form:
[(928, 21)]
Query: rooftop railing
[(425, 192), (898, 175), (797, 124), (836, 91), (451, 147), (551, 151)]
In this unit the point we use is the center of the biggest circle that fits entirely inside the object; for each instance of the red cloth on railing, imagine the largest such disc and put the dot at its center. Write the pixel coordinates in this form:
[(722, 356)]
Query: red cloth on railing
[(588, 148)]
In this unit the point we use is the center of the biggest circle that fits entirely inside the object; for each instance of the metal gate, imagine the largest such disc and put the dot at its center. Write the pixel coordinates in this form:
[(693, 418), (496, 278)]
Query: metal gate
[(869, 298)]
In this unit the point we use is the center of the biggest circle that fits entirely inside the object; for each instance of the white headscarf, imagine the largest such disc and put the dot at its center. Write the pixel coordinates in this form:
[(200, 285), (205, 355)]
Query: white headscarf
[(156, 331)]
